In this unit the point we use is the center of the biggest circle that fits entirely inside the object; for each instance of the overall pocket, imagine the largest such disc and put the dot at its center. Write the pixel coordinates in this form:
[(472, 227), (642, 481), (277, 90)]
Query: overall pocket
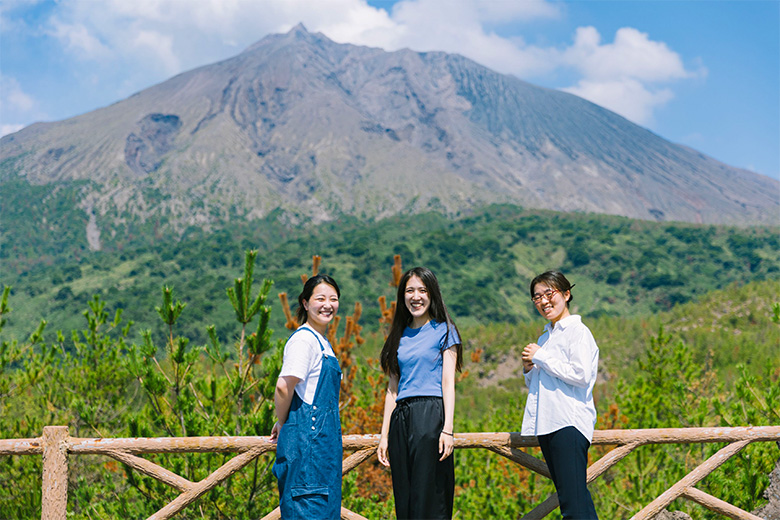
[(310, 502)]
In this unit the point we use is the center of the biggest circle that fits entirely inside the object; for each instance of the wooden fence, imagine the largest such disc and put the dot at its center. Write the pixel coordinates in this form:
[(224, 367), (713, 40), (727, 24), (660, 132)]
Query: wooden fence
[(55, 445)]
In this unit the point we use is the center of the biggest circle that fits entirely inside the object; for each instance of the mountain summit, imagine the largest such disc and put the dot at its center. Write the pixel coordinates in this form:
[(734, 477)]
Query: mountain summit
[(299, 124)]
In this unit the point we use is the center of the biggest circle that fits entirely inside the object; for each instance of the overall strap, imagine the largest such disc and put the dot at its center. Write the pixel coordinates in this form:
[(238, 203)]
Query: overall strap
[(316, 336)]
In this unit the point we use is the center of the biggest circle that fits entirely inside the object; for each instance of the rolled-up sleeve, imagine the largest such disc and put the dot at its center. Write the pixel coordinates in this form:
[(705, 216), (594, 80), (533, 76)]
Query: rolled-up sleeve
[(299, 358), (572, 364)]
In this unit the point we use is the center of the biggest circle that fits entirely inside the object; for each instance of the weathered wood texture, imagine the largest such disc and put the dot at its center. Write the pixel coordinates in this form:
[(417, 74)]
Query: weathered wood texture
[(690, 480), (718, 505), (55, 445), (359, 442), (55, 473), (594, 471), (207, 484)]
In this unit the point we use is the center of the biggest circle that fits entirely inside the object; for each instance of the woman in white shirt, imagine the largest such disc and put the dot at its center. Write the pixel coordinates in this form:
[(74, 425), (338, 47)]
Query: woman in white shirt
[(560, 370), (308, 432)]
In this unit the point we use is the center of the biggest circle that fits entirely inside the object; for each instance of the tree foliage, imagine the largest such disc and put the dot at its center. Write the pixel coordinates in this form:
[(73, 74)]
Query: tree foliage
[(679, 368)]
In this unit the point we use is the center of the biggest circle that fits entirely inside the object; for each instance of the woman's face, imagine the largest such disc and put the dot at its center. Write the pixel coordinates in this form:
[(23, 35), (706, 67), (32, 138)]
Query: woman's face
[(417, 301), (550, 302), (322, 306)]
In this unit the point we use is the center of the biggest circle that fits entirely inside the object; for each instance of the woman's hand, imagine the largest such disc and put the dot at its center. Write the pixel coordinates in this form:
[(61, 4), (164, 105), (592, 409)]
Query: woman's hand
[(283, 396), (381, 451), (528, 356), (275, 431), (446, 445), (390, 395)]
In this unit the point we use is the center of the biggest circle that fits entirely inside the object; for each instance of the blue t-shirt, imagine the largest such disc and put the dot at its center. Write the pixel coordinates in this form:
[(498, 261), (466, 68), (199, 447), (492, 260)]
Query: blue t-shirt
[(420, 359)]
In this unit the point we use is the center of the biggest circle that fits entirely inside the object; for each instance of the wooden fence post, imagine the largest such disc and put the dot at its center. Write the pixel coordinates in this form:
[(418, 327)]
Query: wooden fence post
[(54, 502)]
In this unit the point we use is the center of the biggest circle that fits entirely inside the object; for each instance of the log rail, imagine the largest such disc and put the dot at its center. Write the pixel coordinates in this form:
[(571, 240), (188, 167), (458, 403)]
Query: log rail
[(55, 446)]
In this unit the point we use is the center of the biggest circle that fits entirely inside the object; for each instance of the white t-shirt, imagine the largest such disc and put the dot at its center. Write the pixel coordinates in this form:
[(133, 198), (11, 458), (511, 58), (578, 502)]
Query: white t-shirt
[(303, 359), (560, 386)]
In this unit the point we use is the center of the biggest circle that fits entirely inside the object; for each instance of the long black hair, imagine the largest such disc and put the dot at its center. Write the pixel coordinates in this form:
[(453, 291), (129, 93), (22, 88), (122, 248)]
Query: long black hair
[(308, 289), (403, 318)]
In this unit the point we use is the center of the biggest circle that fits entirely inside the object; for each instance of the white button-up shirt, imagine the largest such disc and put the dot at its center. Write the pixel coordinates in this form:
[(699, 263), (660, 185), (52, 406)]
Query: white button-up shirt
[(560, 385)]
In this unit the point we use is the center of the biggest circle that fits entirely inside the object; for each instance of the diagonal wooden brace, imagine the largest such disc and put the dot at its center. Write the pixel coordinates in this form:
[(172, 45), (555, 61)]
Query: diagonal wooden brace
[(355, 460), (690, 480), (152, 470), (207, 484), (718, 505), (594, 471), (522, 458)]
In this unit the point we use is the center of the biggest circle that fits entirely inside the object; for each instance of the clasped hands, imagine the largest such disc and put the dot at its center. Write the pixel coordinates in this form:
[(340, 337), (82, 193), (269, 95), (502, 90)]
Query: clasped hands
[(528, 356)]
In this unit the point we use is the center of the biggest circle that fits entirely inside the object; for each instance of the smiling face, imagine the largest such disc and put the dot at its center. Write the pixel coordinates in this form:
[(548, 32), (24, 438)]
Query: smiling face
[(551, 302), (321, 307), (417, 301)]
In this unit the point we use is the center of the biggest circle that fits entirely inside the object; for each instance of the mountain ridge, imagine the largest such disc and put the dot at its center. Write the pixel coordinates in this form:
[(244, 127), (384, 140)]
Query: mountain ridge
[(318, 129)]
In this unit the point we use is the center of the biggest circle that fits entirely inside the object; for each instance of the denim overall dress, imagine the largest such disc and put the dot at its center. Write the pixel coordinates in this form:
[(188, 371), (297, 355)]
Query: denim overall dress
[(309, 452)]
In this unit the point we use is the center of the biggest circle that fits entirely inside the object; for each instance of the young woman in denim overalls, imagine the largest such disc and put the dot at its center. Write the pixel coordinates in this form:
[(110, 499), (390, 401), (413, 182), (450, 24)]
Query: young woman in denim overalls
[(308, 430)]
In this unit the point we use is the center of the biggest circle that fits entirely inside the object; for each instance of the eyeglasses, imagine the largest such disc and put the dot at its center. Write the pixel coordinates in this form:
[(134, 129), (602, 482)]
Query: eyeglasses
[(547, 295)]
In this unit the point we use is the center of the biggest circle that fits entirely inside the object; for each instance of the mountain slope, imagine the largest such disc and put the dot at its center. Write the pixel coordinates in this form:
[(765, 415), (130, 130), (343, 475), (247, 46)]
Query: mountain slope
[(484, 262), (316, 129)]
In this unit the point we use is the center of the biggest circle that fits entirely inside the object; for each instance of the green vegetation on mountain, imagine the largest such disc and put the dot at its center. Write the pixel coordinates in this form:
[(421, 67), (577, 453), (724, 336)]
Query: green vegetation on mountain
[(41, 222), (622, 267), (113, 359)]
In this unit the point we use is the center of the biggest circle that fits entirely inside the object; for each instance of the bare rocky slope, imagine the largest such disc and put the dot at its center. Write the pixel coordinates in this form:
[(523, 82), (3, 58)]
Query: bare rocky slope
[(315, 129)]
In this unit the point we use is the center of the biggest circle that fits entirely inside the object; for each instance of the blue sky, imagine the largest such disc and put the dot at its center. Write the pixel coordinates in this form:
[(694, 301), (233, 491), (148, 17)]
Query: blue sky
[(703, 73)]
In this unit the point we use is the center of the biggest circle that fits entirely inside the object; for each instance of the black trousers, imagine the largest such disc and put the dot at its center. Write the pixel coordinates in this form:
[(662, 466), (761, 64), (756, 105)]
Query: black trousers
[(423, 487), (566, 454)]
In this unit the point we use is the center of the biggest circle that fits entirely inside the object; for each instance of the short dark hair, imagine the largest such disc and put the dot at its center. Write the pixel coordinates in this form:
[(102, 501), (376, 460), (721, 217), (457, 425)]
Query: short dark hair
[(308, 289), (554, 279)]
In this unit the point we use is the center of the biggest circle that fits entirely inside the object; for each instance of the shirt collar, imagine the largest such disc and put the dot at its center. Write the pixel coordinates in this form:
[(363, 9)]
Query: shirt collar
[(563, 323)]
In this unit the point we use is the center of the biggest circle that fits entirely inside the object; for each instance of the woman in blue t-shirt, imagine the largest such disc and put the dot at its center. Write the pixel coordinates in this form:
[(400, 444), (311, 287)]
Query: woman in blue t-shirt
[(420, 356)]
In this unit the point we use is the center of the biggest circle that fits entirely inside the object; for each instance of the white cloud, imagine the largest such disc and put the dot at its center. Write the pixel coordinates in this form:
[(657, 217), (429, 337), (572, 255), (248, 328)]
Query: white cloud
[(12, 98), (193, 32), (445, 12), (15, 105), (454, 26), (9, 129), (171, 36), (628, 97), (503, 11), (78, 39), (157, 46), (18, 99), (627, 76), (631, 55)]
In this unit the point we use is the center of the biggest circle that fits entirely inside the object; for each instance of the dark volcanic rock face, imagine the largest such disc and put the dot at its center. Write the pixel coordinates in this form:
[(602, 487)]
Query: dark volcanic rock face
[(145, 150)]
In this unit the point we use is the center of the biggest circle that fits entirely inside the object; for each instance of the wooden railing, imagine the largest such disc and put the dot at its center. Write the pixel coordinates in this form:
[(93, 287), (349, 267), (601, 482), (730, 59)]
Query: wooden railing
[(55, 445)]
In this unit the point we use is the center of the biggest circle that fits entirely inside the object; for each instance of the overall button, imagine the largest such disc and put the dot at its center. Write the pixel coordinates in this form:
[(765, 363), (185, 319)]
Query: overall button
[(313, 428), (313, 418)]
